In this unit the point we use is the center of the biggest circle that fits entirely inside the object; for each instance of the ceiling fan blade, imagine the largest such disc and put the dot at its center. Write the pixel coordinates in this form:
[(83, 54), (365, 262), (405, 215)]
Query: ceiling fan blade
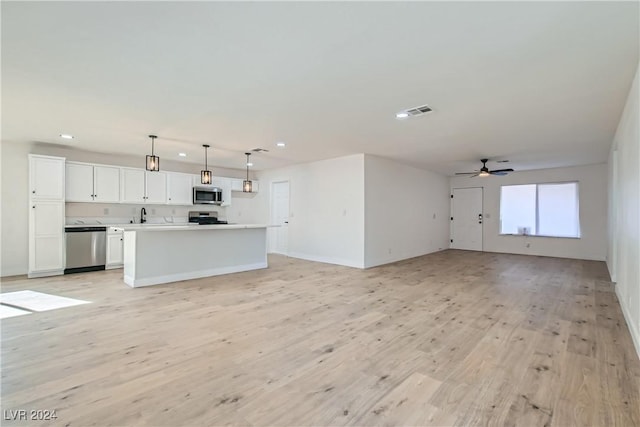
[(474, 175), (501, 170), (499, 173)]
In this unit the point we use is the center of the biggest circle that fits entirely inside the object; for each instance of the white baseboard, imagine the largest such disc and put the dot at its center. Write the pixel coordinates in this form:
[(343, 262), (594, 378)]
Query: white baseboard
[(326, 260), (633, 330), (399, 257), (158, 280), (33, 275)]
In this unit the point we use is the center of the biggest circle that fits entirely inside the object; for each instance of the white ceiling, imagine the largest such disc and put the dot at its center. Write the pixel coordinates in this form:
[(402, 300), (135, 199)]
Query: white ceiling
[(542, 84)]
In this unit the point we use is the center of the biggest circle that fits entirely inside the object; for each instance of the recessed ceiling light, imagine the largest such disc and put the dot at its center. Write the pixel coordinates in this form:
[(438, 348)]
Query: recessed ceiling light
[(280, 144), (249, 164), (402, 115), (66, 136), (182, 154)]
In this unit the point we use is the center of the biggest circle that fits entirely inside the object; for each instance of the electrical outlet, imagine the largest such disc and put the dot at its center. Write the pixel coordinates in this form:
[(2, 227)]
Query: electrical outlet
[(344, 212), (527, 245), (434, 216), (389, 250), (153, 211), (106, 211), (487, 215), (173, 211)]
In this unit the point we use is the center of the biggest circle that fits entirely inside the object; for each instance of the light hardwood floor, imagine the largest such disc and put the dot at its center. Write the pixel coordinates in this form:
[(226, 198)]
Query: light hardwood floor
[(452, 338)]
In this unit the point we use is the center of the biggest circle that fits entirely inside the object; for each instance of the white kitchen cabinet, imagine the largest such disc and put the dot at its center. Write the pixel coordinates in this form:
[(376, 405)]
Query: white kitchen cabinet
[(225, 185), (156, 187), (115, 243), (141, 187), (236, 184), (46, 177), (46, 246), (78, 182), (85, 182), (132, 185), (106, 184), (179, 188), (46, 215)]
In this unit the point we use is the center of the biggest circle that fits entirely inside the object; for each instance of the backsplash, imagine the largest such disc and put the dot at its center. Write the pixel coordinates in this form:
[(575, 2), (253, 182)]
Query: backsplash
[(104, 213)]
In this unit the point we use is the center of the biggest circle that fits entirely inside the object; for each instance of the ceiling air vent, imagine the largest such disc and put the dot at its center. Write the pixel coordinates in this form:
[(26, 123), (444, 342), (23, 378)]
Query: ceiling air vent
[(260, 150), (417, 111)]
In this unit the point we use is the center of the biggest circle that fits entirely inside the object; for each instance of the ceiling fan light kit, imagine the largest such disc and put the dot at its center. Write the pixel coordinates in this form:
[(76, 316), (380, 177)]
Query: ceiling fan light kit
[(484, 171)]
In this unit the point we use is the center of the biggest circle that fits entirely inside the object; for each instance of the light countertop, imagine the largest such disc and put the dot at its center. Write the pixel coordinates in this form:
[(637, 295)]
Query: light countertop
[(187, 227)]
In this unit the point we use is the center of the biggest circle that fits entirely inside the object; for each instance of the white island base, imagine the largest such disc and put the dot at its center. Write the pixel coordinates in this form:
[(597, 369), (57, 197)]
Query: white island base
[(162, 254)]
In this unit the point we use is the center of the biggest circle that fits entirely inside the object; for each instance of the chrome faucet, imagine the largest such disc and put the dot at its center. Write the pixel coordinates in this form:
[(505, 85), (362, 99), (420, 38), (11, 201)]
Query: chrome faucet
[(143, 216)]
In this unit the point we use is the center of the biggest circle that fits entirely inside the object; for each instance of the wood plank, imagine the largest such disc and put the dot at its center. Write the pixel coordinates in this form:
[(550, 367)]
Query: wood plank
[(466, 338)]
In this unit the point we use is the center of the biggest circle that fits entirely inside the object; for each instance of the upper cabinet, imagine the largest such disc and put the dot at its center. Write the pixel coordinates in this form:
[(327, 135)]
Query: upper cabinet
[(132, 185), (141, 186), (225, 185), (180, 188), (106, 184), (156, 187), (236, 184), (46, 177), (92, 183)]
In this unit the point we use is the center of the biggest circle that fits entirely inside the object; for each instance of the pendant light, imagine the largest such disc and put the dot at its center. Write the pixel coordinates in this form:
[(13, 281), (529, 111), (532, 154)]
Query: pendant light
[(205, 175), (153, 161), (247, 184)]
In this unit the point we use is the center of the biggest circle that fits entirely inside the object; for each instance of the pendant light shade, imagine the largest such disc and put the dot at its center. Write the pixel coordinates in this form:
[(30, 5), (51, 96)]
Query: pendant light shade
[(247, 184), (153, 161), (205, 175)]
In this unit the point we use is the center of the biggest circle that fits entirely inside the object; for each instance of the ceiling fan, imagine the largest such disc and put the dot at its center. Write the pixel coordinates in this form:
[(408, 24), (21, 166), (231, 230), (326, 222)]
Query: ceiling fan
[(484, 171)]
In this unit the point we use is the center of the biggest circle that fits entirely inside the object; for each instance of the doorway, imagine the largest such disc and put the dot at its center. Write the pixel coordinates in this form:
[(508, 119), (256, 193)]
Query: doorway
[(466, 219), (279, 242)]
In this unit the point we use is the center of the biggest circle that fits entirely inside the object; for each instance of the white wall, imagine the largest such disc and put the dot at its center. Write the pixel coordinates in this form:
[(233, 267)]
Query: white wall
[(624, 229), (593, 213), (326, 216), (15, 196), (406, 211)]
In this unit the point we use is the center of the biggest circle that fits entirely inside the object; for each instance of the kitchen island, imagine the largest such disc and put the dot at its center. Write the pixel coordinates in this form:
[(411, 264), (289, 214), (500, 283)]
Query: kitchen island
[(169, 253)]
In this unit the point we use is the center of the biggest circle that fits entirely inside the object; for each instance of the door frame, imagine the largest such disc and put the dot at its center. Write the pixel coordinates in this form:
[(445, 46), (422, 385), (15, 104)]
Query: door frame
[(451, 211)]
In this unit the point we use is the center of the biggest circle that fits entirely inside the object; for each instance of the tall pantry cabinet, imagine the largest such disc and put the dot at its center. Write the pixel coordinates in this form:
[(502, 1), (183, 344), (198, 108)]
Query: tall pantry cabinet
[(46, 215)]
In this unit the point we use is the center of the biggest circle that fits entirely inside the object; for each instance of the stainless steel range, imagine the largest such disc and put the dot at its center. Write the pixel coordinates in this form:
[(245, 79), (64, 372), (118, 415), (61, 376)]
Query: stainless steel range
[(204, 218)]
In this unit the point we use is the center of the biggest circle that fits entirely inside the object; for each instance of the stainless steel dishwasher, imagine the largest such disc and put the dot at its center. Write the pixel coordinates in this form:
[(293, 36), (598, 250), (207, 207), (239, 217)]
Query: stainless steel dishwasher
[(86, 249)]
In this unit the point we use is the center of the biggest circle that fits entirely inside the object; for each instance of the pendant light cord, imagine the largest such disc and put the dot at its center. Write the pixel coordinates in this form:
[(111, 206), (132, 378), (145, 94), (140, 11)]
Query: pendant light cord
[(247, 165)]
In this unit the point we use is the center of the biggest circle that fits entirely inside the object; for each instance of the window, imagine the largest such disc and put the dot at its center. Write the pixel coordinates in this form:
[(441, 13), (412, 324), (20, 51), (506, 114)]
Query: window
[(540, 210)]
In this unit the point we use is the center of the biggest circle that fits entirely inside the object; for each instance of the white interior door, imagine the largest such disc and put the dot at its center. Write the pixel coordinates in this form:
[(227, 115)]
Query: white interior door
[(466, 210), (280, 216)]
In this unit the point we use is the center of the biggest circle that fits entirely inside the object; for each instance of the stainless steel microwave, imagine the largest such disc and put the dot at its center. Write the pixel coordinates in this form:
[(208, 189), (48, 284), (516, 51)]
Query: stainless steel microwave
[(207, 196)]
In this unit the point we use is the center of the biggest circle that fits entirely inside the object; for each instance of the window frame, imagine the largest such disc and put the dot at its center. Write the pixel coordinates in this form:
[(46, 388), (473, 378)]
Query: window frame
[(537, 214)]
